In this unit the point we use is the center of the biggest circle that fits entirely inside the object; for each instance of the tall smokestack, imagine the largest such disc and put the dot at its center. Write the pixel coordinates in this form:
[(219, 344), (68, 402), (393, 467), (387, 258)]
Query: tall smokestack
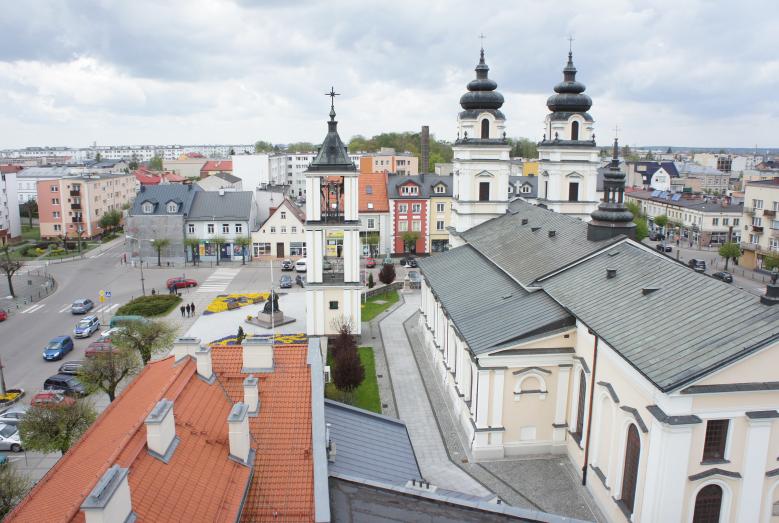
[(425, 151)]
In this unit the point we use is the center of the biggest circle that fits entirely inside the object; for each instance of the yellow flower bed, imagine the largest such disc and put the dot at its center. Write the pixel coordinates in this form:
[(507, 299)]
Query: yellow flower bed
[(220, 302), (9, 396)]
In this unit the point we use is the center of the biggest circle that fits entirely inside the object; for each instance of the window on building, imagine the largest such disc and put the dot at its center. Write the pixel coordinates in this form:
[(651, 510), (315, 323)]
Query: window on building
[(754, 239), (370, 205), (273, 230), (708, 504), (261, 248), (736, 221), (416, 208), (630, 471), (526, 189), (368, 189), (574, 130), (546, 190), (403, 208), (210, 228), (726, 221), (238, 228), (715, 221), (485, 129), (716, 439), (57, 227), (191, 228), (297, 248), (416, 225), (147, 208), (573, 192), (293, 230), (773, 244), (172, 207), (371, 223), (283, 229), (439, 225), (439, 189), (577, 434), (484, 191), (439, 207), (283, 215), (334, 305), (757, 204), (55, 201), (55, 188), (775, 206), (55, 214), (225, 228), (403, 226), (757, 221)]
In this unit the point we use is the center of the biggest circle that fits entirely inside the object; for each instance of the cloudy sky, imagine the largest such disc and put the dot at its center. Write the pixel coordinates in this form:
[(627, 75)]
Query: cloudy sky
[(691, 72)]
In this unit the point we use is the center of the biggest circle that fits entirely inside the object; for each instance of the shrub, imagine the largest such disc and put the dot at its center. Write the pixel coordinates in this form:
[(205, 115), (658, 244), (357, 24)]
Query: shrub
[(147, 306), (387, 274), (371, 283)]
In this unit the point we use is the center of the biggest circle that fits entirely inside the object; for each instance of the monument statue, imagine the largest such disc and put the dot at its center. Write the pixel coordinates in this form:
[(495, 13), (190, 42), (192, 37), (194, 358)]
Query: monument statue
[(272, 305)]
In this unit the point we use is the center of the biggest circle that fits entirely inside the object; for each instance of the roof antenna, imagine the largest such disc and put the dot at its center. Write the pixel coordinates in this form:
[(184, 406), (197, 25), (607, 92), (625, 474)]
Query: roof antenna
[(482, 37)]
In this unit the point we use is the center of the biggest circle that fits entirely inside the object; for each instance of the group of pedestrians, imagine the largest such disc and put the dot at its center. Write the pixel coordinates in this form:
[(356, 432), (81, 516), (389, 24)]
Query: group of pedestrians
[(187, 310)]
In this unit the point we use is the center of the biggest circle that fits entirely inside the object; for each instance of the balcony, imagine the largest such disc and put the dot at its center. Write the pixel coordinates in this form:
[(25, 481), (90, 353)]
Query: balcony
[(75, 193), (77, 219), (769, 212), (757, 228), (75, 206)]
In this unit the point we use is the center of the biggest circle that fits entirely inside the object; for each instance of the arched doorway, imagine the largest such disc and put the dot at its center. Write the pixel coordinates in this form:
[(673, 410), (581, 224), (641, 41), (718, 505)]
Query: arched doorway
[(575, 131), (485, 129), (630, 471), (708, 504)]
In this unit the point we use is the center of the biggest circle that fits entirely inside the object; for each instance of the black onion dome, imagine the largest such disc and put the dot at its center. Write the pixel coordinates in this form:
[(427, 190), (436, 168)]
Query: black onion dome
[(481, 91), (570, 95)]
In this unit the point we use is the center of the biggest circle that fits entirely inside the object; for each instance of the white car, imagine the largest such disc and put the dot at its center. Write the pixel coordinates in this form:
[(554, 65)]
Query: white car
[(9, 438), (300, 265), (106, 334)]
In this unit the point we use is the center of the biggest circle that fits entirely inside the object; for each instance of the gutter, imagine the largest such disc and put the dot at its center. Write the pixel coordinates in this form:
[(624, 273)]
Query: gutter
[(589, 417)]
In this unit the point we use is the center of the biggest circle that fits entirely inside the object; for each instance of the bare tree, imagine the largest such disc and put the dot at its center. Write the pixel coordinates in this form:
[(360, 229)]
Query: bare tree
[(106, 370), (50, 428), (9, 267), (146, 338), (13, 487)]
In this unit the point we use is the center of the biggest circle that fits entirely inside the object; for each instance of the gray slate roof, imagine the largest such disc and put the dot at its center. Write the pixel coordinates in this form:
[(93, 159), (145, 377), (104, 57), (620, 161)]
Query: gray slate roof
[(692, 325), (488, 308), (159, 195), (231, 205), (702, 205), (227, 177), (58, 171), (425, 184), (525, 254), (370, 446), (518, 181)]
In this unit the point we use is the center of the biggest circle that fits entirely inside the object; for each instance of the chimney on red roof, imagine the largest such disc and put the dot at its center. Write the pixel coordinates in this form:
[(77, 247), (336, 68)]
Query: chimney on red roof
[(251, 395), (238, 432), (204, 366), (185, 347), (161, 438), (110, 500), (257, 355)]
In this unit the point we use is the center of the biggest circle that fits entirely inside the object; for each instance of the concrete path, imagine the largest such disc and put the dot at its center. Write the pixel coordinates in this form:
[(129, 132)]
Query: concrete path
[(414, 406)]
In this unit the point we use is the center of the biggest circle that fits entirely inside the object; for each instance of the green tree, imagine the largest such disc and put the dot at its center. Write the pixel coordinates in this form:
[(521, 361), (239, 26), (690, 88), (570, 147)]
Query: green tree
[(371, 283), (387, 274), (770, 261), (192, 244), (409, 239), (155, 164), (105, 371), (133, 164), (98, 157), (244, 242), (440, 152), (730, 250), (158, 245), (263, 147), (240, 336), (30, 208), (13, 487), (642, 229), (9, 268), (348, 372), (232, 152), (145, 338), (218, 241), (300, 147), (661, 221), (110, 220), (52, 428), (523, 147)]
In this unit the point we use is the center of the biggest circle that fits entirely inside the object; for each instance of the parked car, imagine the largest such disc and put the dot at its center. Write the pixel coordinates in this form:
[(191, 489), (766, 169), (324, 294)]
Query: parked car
[(180, 283), (370, 263), (300, 265), (656, 236), (285, 282), (409, 262), (3, 315), (57, 348), (98, 347), (697, 265), (724, 276), (13, 415), (287, 265), (65, 383), (82, 306), (414, 277), (71, 367), (106, 334), (50, 397), (9, 438), (664, 247), (86, 327)]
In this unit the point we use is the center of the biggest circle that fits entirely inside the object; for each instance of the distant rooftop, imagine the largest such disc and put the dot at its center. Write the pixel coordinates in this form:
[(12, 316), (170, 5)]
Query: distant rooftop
[(702, 205)]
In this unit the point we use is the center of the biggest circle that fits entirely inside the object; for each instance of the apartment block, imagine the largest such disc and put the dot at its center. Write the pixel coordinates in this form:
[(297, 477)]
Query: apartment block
[(388, 161), (760, 233)]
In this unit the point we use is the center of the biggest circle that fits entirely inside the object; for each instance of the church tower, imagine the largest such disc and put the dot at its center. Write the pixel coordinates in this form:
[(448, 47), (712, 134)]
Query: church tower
[(481, 156), (568, 157), (332, 236), (612, 218)]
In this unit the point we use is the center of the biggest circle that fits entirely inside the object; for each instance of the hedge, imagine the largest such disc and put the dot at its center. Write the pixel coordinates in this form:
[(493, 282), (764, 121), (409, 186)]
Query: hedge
[(149, 306)]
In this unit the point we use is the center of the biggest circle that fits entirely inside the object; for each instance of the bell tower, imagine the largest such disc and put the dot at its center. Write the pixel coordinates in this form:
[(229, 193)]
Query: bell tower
[(332, 237), (480, 164)]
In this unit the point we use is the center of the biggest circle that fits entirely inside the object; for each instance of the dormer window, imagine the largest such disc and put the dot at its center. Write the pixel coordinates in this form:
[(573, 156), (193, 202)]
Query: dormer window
[(525, 189), (172, 207), (407, 190), (368, 189), (439, 189), (147, 208)]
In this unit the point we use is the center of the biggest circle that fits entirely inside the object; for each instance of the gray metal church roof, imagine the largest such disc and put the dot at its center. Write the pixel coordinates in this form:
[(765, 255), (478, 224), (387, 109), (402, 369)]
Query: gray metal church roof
[(527, 252), (688, 327), (370, 446), (488, 308), (232, 205)]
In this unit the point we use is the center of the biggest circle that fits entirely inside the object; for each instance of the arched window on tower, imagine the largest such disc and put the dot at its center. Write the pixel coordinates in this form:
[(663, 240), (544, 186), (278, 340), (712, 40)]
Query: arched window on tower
[(630, 471), (575, 131), (708, 504), (485, 129)]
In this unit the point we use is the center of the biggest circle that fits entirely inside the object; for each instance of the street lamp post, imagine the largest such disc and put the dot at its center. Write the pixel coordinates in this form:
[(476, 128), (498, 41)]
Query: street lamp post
[(140, 258), (80, 231)]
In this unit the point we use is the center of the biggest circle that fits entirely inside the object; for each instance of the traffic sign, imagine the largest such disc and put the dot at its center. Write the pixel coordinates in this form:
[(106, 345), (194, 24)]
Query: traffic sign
[(107, 294), (101, 293), (102, 299)]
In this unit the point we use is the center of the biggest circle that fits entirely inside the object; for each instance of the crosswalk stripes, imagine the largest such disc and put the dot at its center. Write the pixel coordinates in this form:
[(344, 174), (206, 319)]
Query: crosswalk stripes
[(64, 308), (33, 308), (218, 281), (105, 309)]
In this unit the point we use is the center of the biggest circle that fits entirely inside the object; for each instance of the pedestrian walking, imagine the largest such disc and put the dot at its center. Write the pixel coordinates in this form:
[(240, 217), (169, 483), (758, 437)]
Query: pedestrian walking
[(189, 310), (193, 308), (182, 311)]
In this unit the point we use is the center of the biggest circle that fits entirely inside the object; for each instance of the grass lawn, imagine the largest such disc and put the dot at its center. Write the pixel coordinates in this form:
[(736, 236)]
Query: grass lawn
[(371, 309), (31, 233), (367, 394)]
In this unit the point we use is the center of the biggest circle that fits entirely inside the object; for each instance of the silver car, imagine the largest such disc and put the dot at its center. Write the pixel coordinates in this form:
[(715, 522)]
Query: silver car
[(82, 306), (13, 415), (9, 438)]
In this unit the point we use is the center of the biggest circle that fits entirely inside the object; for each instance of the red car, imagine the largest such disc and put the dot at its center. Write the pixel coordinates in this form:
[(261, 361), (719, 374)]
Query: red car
[(98, 347), (3, 315), (180, 283), (370, 263), (50, 397)]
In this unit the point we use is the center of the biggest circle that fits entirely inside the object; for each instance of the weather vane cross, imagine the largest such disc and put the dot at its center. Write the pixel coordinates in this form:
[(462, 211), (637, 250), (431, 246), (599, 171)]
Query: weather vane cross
[(616, 131), (570, 43), (482, 37), (332, 94)]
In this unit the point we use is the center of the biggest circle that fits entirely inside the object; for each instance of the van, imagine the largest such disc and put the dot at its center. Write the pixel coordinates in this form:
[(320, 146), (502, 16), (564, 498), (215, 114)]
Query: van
[(118, 320), (697, 265)]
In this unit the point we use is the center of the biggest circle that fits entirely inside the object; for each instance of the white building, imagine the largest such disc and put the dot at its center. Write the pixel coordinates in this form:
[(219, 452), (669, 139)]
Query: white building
[(10, 224), (568, 156), (224, 215), (27, 180), (283, 234)]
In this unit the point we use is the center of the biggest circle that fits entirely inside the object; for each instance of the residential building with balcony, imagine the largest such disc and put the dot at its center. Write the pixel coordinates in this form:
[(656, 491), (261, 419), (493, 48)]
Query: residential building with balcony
[(72, 206), (10, 223), (386, 160), (760, 234), (27, 180)]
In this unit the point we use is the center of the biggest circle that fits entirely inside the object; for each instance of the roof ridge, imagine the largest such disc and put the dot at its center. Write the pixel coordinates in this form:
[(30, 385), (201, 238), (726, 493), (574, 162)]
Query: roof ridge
[(344, 406)]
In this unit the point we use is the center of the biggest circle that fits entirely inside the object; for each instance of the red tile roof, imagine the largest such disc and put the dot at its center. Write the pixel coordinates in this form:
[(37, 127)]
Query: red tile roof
[(6, 169), (147, 177), (217, 166), (378, 196), (200, 483)]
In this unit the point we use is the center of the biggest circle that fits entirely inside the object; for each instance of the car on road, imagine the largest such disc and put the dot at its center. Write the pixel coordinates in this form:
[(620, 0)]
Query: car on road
[(9, 438), (664, 247), (697, 265), (287, 265), (71, 367), (3, 315), (65, 383), (370, 263), (285, 282), (723, 276), (300, 265), (13, 415), (106, 334), (57, 348), (656, 236), (86, 327), (180, 283), (414, 277), (99, 347), (82, 306), (409, 262), (50, 397)]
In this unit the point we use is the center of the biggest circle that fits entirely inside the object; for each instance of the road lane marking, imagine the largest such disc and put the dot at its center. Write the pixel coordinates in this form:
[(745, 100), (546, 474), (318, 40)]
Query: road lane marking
[(33, 308), (65, 308), (219, 280)]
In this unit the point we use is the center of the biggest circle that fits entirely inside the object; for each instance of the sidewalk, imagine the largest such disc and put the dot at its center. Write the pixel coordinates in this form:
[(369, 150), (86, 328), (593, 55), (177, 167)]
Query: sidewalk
[(414, 406)]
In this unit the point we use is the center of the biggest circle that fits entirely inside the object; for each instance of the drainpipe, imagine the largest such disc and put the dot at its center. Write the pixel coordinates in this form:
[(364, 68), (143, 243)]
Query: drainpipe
[(589, 417)]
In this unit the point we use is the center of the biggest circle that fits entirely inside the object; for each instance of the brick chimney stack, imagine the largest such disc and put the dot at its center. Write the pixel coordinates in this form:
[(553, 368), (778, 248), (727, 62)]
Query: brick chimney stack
[(425, 149)]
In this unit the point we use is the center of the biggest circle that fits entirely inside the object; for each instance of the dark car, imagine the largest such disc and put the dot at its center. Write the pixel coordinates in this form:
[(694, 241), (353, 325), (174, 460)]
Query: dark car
[(57, 348), (287, 265), (370, 263), (180, 283), (697, 265), (67, 383), (71, 367), (285, 282), (82, 306), (664, 247), (723, 276), (409, 262), (656, 236)]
